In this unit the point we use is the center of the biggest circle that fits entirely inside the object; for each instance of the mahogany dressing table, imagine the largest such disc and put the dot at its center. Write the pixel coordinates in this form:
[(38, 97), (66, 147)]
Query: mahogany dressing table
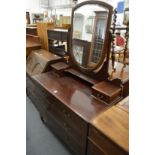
[(73, 96)]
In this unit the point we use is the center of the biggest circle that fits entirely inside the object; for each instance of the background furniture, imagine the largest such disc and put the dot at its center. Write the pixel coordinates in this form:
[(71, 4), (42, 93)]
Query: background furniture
[(31, 30), (27, 18), (32, 43), (60, 36), (42, 28)]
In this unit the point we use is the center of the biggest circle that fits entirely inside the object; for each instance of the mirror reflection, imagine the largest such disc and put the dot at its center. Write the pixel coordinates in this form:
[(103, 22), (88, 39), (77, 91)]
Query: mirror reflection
[(89, 29)]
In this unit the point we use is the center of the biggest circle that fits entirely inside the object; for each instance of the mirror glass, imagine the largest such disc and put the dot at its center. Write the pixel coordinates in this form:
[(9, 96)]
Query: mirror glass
[(89, 30)]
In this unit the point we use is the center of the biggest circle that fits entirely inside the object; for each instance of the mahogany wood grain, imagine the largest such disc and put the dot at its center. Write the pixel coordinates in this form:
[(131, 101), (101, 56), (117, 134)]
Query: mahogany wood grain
[(74, 94), (114, 124), (93, 149), (39, 61), (59, 68), (106, 91), (81, 76)]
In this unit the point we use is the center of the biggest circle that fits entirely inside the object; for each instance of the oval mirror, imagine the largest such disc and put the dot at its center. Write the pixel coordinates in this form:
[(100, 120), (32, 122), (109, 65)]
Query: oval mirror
[(90, 25)]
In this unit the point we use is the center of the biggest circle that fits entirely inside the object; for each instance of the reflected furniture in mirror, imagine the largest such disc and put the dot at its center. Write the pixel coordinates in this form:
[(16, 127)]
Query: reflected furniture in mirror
[(58, 41), (74, 93)]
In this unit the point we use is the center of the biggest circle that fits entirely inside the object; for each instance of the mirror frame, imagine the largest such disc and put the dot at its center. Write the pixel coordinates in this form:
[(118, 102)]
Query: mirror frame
[(101, 62)]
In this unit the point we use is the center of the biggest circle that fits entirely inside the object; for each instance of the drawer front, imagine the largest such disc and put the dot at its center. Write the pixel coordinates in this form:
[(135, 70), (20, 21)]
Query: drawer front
[(92, 149), (74, 127), (67, 119), (53, 35), (64, 136), (79, 136), (37, 100), (104, 143)]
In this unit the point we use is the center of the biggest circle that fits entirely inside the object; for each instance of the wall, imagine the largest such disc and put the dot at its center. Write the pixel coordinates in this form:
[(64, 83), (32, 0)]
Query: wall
[(33, 5)]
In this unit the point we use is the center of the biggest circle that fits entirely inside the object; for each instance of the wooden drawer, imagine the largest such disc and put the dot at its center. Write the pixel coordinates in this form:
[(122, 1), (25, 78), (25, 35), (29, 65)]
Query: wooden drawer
[(109, 147), (66, 114), (71, 128), (36, 101), (35, 96), (66, 118), (92, 149), (64, 136), (79, 136)]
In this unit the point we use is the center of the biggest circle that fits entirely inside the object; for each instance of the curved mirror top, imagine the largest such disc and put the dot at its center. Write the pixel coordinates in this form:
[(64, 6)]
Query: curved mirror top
[(89, 33)]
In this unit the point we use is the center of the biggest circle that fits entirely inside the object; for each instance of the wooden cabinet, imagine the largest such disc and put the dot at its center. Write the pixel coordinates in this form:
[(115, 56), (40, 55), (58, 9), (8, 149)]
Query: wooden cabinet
[(100, 143), (93, 149), (82, 123), (108, 132), (59, 35), (67, 109), (69, 127)]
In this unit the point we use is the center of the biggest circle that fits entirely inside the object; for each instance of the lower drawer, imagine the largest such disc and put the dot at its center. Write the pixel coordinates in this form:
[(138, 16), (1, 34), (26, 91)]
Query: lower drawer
[(108, 146), (36, 101), (64, 136), (92, 149)]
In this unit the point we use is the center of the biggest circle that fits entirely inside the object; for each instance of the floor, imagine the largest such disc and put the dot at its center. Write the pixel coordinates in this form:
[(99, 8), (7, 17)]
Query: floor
[(39, 139)]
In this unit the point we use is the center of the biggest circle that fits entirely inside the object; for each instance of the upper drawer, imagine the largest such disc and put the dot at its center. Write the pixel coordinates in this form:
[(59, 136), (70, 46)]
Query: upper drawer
[(109, 147)]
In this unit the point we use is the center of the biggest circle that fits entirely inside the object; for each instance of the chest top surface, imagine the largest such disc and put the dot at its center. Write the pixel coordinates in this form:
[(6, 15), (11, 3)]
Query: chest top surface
[(73, 93)]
